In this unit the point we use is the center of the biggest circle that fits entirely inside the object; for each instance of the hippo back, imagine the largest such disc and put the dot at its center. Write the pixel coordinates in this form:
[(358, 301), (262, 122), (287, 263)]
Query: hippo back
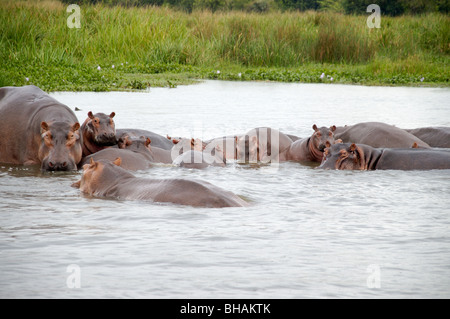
[(414, 159), (377, 134), (433, 136)]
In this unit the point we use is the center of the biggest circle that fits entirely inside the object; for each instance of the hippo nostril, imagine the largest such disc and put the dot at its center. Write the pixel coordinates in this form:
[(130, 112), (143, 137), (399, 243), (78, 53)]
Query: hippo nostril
[(64, 164), (51, 164)]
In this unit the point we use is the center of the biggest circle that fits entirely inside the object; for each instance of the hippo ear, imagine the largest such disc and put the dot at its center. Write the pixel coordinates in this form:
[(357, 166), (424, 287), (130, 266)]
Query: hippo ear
[(175, 141), (327, 144), (415, 145), (315, 128), (44, 127), (128, 141), (118, 161), (168, 137), (77, 184), (148, 141), (90, 115), (192, 142), (92, 162), (352, 147), (333, 128), (112, 114), (75, 127)]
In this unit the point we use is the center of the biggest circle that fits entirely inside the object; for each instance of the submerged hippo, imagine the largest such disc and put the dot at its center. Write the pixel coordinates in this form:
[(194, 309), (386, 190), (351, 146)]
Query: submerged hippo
[(433, 136), (36, 129), (144, 146), (108, 180), (133, 161), (157, 140), (350, 156), (262, 144), (99, 132), (310, 149), (377, 134), (198, 160)]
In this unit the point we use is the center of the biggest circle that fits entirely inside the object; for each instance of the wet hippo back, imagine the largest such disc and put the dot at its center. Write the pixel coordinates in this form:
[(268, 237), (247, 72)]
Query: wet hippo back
[(37, 129), (433, 136), (414, 159), (108, 180), (198, 160), (132, 161), (377, 134)]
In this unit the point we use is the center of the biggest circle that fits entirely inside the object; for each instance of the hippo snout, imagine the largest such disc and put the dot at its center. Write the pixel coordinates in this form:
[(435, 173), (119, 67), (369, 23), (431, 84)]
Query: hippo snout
[(106, 139), (322, 147), (53, 166)]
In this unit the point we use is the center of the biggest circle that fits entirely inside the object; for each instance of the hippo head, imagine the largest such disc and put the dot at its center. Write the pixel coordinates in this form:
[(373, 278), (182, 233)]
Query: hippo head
[(321, 136), (97, 175), (183, 145), (344, 157), (101, 128), (60, 148), (141, 144)]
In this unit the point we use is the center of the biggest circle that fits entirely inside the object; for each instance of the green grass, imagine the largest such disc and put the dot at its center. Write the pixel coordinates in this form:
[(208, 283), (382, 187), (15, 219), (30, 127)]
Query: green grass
[(154, 46)]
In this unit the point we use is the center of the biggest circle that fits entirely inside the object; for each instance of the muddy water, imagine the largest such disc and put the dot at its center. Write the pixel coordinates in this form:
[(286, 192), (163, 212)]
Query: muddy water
[(309, 233)]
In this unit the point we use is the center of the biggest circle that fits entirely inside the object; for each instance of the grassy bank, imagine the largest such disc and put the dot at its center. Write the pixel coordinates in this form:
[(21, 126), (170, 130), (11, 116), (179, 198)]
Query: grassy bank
[(132, 48)]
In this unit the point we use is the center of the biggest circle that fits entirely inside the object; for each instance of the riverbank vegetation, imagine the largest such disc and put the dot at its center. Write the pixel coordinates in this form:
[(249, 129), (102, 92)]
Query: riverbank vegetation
[(122, 47)]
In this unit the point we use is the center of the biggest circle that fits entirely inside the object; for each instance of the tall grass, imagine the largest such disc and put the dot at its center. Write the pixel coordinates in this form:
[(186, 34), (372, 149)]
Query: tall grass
[(35, 32)]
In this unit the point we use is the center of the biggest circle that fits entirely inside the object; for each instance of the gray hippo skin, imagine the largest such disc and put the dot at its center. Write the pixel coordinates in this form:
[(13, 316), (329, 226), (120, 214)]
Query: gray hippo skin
[(433, 136), (36, 129), (377, 134), (351, 156), (108, 180), (199, 160)]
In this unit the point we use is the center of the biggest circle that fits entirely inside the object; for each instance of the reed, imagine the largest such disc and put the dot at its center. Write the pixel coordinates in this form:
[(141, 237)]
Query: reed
[(36, 43)]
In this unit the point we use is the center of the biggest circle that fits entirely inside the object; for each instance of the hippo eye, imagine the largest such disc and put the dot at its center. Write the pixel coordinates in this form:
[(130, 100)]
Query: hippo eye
[(319, 134), (330, 133)]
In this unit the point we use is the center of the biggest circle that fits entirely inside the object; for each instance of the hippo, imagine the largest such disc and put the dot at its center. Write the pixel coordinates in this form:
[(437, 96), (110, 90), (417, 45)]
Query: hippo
[(311, 148), (143, 146), (36, 129), (351, 156), (377, 134), (133, 161), (198, 160), (99, 132), (433, 136), (157, 140), (107, 179), (262, 144), (225, 147)]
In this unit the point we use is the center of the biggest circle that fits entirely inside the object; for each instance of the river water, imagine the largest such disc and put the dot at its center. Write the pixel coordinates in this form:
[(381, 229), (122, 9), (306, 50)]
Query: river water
[(308, 233)]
